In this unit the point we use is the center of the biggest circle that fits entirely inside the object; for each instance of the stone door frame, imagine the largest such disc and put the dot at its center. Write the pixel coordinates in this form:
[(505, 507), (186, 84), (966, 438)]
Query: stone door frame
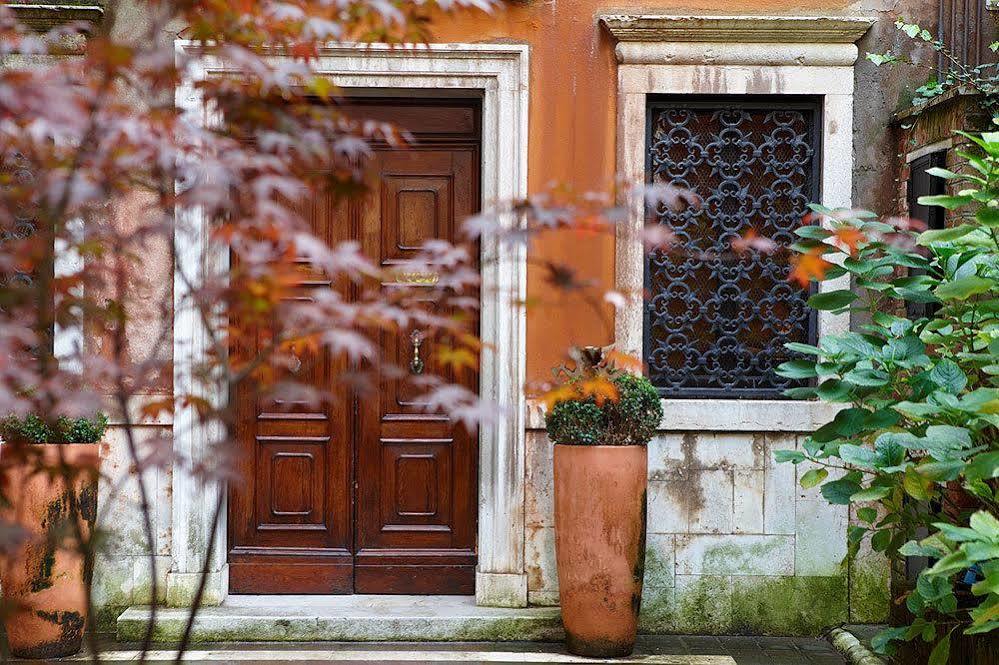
[(498, 74)]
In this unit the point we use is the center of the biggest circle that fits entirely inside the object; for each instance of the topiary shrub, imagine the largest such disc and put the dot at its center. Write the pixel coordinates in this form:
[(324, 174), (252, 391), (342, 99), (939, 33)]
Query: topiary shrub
[(32, 429), (604, 407)]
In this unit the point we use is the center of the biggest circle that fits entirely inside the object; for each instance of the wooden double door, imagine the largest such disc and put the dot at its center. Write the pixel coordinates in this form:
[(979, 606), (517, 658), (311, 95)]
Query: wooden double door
[(368, 493)]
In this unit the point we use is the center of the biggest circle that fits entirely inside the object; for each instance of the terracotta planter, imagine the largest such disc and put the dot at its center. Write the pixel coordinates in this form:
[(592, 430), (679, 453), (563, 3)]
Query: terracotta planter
[(600, 545), (43, 584)]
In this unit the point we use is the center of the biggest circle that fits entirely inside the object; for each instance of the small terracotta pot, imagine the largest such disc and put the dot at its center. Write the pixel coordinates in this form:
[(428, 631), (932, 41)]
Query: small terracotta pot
[(600, 545), (43, 581)]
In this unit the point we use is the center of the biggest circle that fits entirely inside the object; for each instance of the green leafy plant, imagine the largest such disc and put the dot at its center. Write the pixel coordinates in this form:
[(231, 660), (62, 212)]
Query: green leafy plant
[(916, 448), (600, 405), (982, 79), (32, 429)]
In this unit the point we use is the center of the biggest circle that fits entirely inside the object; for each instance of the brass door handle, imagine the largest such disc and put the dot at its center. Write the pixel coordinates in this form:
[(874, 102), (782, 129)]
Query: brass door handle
[(416, 364)]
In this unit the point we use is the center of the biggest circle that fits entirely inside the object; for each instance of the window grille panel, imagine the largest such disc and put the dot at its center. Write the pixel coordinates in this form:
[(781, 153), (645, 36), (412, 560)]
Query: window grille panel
[(715, 321)]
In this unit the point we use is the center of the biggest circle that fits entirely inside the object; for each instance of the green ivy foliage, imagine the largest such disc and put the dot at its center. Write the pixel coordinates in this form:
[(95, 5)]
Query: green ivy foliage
[(916, 448), (32, 429), (629, 420), (983, 79)]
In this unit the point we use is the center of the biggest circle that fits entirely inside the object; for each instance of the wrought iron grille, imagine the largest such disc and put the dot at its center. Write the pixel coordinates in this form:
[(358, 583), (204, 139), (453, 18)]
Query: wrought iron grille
[(20, 225), (716, 321)]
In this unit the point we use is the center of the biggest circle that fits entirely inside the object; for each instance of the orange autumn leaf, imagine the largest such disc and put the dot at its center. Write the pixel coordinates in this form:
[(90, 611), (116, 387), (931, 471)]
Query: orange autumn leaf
[(600, 388), (563, 393), (458, 358), (625, 361), (849, 237), (154, 408), (808, 267)]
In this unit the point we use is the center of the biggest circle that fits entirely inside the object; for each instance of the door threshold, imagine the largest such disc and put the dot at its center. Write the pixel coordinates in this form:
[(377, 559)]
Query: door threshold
[(354, 618)]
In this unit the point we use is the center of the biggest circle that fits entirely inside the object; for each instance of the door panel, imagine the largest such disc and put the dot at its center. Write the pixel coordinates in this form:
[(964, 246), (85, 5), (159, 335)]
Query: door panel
[(290, 528), (416, 471), (366, 493)]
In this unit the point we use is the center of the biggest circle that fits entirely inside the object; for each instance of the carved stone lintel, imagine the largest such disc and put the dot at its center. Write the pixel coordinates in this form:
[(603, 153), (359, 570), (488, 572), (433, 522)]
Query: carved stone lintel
[(736, 29), (42, 17)]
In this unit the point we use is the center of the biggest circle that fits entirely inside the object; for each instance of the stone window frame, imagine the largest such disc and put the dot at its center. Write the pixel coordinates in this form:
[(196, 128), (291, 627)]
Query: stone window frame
[(498, 73), (660, 54)]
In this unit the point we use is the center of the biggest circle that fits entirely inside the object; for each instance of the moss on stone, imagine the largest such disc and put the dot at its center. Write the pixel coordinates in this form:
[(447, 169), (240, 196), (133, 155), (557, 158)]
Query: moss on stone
[(788, 605), (870, 595), (700, 604)]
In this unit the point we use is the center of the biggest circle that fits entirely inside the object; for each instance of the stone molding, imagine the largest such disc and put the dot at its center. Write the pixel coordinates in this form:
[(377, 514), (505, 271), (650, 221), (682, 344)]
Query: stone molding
[(736, 29), (42, 17), (499, 74), (728, 415), (724, 53)]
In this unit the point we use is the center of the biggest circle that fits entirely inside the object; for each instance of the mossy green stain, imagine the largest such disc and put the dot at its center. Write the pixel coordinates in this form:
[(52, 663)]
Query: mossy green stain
[(870, 596), (788, 605), (729, 558)]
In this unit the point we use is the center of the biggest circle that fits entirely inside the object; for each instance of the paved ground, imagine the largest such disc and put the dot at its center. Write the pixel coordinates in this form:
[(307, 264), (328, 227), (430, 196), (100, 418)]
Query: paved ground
[(686, 650)]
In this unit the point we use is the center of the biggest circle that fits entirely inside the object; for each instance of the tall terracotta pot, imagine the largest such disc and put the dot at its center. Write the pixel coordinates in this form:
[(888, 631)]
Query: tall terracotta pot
[(600, 545), (43, 581)]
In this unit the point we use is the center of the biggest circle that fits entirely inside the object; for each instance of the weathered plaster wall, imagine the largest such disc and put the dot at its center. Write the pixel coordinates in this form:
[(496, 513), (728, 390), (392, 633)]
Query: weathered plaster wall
[(123, 569), (573, 114), (734, 544)]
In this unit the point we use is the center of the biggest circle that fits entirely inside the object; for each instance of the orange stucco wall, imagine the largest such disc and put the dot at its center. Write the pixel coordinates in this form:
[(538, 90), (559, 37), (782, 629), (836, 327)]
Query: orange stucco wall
[(572, 138)]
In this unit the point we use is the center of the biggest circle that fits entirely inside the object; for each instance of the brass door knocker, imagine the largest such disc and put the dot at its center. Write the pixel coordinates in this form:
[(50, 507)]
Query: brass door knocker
[(416, 364)]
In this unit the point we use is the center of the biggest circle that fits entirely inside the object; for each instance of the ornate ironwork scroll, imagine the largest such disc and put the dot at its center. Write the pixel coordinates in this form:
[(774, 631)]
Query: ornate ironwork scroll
[(716, 321)]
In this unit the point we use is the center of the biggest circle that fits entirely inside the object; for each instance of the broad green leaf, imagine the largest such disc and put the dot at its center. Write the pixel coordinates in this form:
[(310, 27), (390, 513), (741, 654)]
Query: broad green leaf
[(832, 300), (981, 551), (943, 442), (869, 378), (858, 456), (846, 423), (984, 466), (870, 494), (881, 540), (797, 369), (839, 491), (866, 514), (948, 375), (964, 288), (912, 548), (812, 232), (944, 201), (880, 642), (793, 456), (813, 477), (951, 563), (855, 344), (833, 390), (905, 351), (947, 174), (800, 392), (941, 652), (985, 524), (988, 216), (917, 486), (941, 471), (881, 418), (945, 235), (958, 534)]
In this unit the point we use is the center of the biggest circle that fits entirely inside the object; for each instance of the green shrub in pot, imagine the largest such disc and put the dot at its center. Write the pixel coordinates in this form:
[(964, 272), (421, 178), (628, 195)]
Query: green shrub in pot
[(33, 429), (608, 407)]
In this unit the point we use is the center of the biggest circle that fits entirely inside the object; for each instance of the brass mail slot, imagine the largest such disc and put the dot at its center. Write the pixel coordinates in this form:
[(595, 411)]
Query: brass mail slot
[(418, 278)]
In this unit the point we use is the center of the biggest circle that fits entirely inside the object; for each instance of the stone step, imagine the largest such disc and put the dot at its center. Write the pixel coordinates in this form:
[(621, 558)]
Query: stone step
[(236, 654), (348, 619)]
